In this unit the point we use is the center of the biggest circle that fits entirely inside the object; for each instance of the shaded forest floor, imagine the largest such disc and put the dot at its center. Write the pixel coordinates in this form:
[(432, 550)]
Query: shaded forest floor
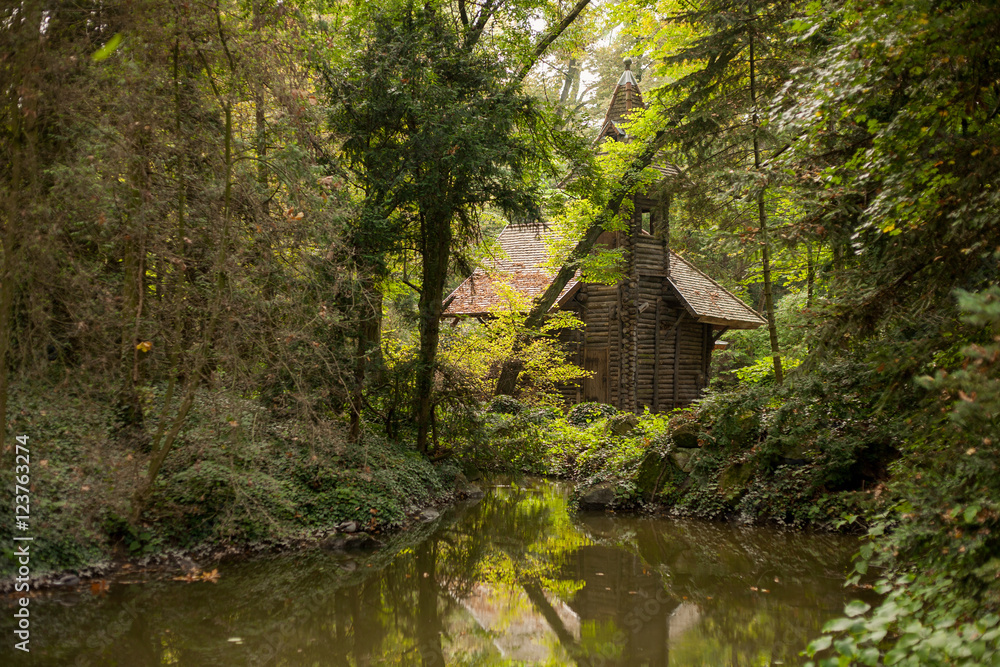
[(239, 478)]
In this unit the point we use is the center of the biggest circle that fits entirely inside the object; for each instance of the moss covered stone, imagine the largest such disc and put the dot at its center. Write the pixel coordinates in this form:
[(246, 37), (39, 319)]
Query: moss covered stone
[(686, 435), (734, 479)]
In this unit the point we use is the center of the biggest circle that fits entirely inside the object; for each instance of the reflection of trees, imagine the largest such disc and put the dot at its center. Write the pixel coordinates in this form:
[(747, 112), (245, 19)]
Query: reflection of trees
[(606, 587), (797, 576), (537, 596), (429, 629), (505, 521)]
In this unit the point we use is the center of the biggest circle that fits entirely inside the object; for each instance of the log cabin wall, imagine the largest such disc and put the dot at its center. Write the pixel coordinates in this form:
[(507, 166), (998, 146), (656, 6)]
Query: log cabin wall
[(644, 349)]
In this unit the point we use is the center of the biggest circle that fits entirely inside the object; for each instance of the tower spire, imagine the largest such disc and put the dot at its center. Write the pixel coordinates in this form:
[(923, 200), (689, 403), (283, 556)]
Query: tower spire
[(625, 99)]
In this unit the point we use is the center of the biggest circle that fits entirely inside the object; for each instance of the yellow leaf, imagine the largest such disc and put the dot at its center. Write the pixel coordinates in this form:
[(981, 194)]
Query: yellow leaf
[(144, 346), (106, 50)]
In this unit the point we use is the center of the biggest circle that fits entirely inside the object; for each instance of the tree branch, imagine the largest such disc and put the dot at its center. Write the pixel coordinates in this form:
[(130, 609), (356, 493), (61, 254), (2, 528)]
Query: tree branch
[(550, 37)]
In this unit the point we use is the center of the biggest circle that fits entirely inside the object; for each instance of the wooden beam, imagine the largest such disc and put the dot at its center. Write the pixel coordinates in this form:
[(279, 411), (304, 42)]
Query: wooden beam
[(706, 353), (677, 357), (656, 357), (677, 322), (717, 336), (621, 349)]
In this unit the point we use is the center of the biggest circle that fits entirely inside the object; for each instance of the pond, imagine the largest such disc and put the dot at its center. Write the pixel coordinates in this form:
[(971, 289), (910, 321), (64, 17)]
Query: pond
[(514, 578)]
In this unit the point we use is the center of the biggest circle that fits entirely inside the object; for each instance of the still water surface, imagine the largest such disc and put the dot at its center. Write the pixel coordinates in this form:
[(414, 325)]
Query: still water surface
[(512, 579)]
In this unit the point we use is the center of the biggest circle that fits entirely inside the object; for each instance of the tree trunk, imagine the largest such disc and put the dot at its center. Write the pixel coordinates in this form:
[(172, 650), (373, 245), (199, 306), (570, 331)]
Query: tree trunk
[(130, 430), (369, 341), (772, 328), (436, 246), (568, 79), (810, 276), (22, 118), (13, 211)]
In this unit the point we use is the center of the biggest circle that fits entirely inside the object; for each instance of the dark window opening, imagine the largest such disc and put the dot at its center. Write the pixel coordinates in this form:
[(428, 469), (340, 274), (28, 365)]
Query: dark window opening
[(647, 222)]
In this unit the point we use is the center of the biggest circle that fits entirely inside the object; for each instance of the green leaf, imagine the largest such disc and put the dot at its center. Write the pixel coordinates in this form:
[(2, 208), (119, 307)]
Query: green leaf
[(109, 48), (820, 644), (837, 625), (970, 513), (856, 608), (869, 656)]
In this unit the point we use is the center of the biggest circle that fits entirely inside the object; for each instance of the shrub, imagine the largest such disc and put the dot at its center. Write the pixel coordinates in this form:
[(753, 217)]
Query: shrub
[(505, 405), (584, 414)]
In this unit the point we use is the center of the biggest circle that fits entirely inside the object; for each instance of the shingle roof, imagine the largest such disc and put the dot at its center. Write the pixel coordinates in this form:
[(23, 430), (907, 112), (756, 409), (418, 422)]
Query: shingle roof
[(707, 300), (626, 99), (525, 251)]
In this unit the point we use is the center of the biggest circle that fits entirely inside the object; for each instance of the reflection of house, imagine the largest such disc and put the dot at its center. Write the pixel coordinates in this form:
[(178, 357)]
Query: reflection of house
[(520, 631), (648, 339)]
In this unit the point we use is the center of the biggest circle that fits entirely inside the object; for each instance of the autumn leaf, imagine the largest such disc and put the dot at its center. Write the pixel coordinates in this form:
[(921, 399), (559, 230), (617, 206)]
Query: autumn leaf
[(144, 346), (110, 47), (212, 576)]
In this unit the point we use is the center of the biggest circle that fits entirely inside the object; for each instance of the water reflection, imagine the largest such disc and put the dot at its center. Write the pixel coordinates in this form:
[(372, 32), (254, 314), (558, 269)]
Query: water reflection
[(512, 579)]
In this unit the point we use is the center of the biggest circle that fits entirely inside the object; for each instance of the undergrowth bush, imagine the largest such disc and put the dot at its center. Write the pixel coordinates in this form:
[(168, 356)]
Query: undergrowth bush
[(938, 540), (238, 474)]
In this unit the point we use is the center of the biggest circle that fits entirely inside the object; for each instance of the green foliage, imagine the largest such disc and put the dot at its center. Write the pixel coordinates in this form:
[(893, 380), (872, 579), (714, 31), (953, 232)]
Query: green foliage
[(239, 475), (476, 352), (937, 539), (505, 405), (585, 414), (896, 96), (510, 442), (762, 369)]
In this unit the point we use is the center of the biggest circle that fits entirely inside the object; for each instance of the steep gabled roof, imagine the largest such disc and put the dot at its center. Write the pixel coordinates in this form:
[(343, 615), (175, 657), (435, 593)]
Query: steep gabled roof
[(519, 266), (525, 251), (707, 300)]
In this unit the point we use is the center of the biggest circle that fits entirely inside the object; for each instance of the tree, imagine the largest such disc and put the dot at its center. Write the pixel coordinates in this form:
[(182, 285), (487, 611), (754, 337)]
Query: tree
[(900, 144), (717, 134), (436, 130)]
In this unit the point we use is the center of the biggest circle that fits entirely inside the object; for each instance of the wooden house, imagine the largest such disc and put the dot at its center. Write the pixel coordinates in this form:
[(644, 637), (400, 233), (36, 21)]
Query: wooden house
[(647, 340)]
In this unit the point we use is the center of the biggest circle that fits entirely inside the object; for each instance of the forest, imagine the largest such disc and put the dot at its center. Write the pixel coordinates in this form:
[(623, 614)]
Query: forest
[(230, 229)]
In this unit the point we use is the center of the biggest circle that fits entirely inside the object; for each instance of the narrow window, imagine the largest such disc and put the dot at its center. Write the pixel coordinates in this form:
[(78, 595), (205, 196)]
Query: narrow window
[(647, 222)]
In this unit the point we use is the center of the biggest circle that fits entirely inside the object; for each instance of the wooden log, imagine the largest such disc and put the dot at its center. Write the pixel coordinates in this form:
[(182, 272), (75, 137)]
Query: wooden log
[(656, 356), (677, 356), (620, 350)]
